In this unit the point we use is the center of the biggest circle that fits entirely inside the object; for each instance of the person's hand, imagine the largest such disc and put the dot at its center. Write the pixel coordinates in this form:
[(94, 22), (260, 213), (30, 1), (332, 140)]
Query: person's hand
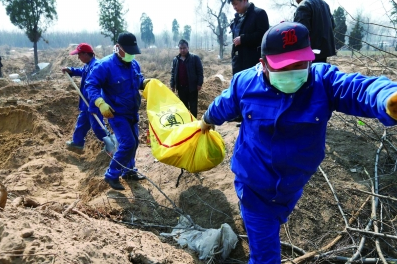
[(106, 110), (391, 106), (237, 41), (145, 82), (204, 126), (66, 70)]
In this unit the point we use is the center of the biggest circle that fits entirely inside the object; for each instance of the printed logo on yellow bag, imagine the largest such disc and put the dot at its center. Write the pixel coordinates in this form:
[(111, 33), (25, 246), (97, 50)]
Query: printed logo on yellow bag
[(175, 134)]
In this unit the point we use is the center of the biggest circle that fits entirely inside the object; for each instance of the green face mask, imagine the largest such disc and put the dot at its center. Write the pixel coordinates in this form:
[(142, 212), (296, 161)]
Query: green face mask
[(288, 81), (128, 57)]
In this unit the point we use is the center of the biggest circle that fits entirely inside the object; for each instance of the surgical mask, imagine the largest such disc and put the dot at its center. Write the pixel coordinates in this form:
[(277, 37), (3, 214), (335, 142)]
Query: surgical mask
[(127, 57), (288, 81)]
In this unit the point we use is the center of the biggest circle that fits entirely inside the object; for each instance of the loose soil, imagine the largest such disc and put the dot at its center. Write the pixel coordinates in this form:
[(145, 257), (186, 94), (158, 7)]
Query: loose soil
[(43, 178)]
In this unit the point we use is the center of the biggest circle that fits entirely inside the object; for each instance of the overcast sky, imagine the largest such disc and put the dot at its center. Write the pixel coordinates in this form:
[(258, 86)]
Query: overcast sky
[(82, 15)]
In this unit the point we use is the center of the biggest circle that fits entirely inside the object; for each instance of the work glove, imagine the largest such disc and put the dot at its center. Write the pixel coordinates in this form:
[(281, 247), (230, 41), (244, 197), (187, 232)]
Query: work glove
[(106, 110), (145, 81), (391, 106), (204, 126)]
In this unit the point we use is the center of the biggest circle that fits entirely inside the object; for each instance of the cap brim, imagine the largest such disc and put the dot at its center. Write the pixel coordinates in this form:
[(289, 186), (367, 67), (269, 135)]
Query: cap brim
[(279, 61), (74, 52), (131, 49)]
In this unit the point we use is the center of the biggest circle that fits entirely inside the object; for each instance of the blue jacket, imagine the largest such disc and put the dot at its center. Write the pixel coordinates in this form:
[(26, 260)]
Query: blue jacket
[(118, 84), (83, 72), (282, 136)]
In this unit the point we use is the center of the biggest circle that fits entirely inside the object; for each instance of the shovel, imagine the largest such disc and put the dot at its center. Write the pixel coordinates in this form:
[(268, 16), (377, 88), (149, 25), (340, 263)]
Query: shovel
[(110, 140)]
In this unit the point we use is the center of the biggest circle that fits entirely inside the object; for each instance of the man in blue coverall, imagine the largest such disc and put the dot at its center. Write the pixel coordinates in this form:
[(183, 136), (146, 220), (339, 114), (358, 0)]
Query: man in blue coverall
[(113, 87), (85, 120), (286, 103)]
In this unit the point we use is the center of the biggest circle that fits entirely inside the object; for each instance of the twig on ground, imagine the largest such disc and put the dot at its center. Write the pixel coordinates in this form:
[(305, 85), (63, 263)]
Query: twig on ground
[(70, 207)]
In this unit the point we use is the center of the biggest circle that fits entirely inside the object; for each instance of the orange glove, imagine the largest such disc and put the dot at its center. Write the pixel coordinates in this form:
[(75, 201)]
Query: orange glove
[(391, 106), (106, 110)]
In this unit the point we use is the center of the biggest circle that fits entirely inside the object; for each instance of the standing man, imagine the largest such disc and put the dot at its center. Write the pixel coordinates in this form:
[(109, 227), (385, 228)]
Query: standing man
[(113, 86), (85, 120), (248, 27), (1, 65), (317, 17), (286, 104), (187, 76)]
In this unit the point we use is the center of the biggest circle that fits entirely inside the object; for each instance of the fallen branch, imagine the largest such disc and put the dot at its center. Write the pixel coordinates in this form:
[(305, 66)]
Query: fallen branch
[(373, 194), (82, 214), (372, 233), (73, 205)]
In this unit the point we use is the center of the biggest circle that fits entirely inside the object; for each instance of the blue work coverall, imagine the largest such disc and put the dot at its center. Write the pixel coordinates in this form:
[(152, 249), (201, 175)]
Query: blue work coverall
[(282, 140), (118, 83), (85, 120)]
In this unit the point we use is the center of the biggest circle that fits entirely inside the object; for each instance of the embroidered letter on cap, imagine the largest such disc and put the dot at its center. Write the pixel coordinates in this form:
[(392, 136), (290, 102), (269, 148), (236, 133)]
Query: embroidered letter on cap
[(289, 37)]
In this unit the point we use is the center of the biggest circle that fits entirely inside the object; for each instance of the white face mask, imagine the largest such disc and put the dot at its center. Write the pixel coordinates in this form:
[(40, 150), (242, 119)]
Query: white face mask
[(127, 57), (288, 81)]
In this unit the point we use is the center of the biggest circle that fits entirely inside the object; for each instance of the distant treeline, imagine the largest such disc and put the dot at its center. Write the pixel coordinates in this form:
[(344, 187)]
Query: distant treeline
[(53, 40)]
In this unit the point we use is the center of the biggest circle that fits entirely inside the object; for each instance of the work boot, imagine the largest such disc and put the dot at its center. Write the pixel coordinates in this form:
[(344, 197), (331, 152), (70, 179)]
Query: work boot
[(132, 175), (72, 145), (115, 184)]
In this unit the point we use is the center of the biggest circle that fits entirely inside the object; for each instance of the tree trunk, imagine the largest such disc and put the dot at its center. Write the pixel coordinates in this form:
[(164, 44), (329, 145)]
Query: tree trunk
[(36, 57)]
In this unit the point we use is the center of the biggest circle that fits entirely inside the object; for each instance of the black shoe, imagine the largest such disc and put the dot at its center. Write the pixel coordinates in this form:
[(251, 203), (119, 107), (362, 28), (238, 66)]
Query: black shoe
[(132, 175), (115, 184), (238, 125), (72, 145)]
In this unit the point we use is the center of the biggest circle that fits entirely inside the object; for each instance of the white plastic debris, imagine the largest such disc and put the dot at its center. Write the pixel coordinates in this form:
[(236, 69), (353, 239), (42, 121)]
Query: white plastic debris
[(42, 65), (207, 243), (14, 76)]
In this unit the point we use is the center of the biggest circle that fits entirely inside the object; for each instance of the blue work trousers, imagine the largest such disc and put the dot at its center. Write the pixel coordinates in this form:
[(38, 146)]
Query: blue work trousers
[(262, 219), (86, 121), (126, 131)]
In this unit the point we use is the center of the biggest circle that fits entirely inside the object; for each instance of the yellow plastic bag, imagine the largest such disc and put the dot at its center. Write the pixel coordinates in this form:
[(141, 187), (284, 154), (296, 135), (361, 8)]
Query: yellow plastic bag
[(175, 134)]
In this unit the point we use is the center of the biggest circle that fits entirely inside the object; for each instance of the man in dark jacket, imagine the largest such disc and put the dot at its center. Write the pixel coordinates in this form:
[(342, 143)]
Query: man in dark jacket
[(248, 27), (317, 17), (187, 76)]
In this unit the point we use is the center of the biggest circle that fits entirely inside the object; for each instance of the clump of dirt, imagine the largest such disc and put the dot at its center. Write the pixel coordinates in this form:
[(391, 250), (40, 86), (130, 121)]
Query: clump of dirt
[(59, 209)]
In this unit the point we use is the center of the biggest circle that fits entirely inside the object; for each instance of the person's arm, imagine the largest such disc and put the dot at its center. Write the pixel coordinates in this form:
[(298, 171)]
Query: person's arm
[(356, 94), (94, 84), (226, 106), (261, 24), (75, 71), (199, 71), (172, 81)]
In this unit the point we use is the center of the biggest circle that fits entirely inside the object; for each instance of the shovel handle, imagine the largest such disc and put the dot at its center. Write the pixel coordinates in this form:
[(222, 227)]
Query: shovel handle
[(85, 101)]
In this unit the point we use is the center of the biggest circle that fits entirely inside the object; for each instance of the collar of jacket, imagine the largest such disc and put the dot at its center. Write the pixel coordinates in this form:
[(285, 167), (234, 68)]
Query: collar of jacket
[(187, 55), (249, 10)]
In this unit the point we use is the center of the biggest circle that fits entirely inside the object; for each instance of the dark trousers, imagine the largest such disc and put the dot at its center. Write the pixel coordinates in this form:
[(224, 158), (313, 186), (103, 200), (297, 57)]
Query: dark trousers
[(189, 99)]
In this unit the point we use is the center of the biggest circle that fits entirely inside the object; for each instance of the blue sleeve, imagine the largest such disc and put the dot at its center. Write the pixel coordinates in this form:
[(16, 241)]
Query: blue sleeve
[(226, 106), (76, 71), (141, 77), (356, 94), (94, 84)]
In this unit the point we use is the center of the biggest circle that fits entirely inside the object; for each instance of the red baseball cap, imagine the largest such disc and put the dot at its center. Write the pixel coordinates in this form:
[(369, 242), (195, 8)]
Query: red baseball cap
[(286, 43), (83, 47)]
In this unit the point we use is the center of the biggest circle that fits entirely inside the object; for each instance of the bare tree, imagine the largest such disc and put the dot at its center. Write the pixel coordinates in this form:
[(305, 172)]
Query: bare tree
[(217, 22)]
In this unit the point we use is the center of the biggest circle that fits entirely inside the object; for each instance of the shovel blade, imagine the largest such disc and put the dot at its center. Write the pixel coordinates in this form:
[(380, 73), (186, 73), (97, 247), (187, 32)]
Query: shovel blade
[(111, 144)]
